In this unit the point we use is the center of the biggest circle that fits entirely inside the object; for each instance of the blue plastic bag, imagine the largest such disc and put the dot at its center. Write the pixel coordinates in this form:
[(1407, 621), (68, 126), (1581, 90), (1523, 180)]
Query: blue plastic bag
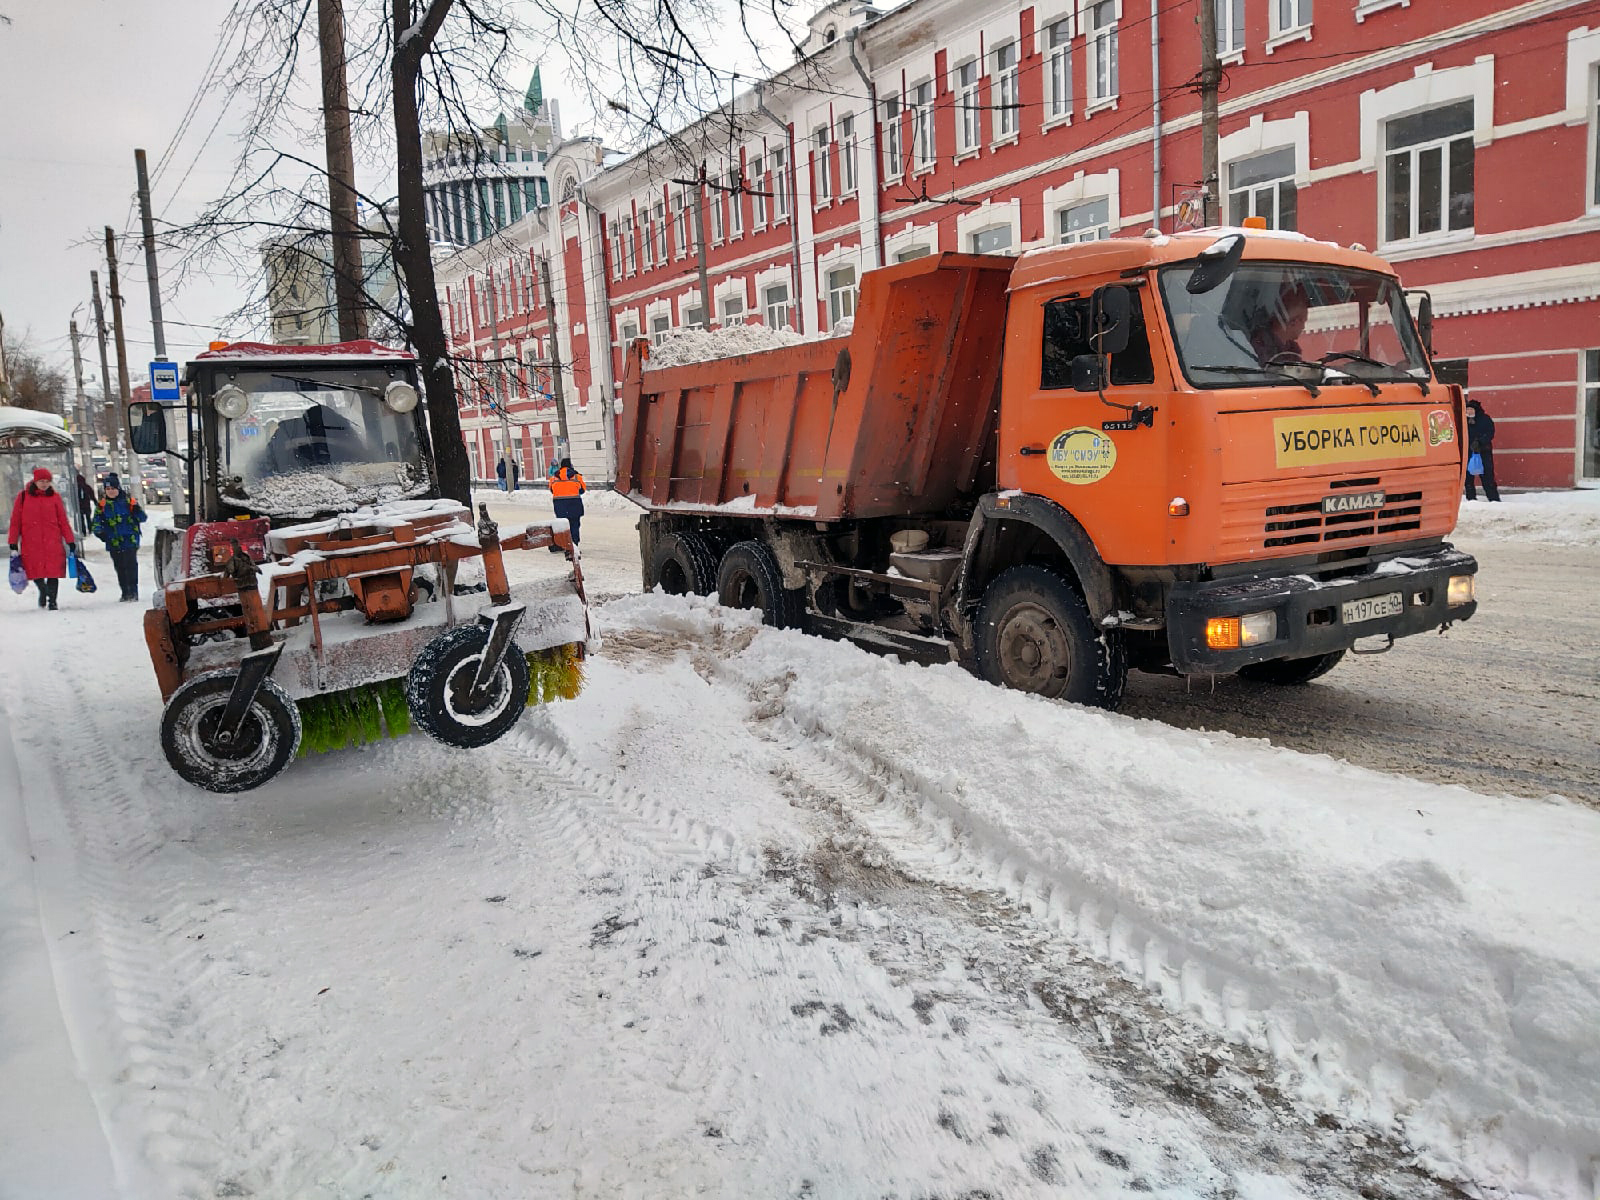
[(19, 575), (85, 580), (72, 566), (1475, 463)]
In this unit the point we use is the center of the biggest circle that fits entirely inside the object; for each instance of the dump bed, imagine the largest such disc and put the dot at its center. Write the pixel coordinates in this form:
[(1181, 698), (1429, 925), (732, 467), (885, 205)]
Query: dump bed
[(896, 418)]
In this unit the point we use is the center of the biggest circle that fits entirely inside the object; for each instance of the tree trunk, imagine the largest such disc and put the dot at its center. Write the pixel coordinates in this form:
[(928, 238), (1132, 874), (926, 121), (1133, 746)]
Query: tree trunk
[(411, 253)]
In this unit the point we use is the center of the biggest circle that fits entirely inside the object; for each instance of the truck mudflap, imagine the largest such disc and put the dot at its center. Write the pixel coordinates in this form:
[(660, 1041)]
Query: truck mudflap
[(1400, 596)]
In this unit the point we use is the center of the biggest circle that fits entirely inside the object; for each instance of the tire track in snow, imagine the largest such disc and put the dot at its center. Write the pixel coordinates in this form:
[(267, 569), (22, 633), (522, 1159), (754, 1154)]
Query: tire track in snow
[(158, 1048)]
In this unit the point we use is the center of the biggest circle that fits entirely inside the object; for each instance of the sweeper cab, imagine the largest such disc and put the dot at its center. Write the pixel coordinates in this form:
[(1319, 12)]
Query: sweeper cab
[(322, 594)]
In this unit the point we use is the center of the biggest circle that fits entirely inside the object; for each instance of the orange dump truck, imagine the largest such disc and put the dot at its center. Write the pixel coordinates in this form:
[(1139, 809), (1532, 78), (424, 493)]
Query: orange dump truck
[(1207, 453)]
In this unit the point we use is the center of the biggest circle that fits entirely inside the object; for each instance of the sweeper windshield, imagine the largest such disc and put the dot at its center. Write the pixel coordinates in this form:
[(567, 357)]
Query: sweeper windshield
[(307, 446)]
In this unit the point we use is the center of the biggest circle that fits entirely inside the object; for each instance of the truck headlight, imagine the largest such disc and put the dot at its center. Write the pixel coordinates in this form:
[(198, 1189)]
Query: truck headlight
[(400, 396), (1230, 633), (1463, 590), (231, 401)]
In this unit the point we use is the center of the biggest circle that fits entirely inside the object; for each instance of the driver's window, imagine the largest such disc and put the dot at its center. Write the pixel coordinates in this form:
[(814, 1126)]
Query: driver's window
[(1066, 335)]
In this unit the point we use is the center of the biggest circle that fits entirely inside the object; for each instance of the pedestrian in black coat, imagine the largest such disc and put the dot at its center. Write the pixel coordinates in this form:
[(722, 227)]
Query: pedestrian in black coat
[(1480, 441)]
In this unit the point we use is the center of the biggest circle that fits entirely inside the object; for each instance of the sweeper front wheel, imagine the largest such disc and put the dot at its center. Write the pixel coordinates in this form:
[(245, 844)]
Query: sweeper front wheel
[(264, 745), (439, 689)]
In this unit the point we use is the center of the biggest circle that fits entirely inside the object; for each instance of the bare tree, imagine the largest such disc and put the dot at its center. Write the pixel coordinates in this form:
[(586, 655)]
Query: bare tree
[(35, 384)]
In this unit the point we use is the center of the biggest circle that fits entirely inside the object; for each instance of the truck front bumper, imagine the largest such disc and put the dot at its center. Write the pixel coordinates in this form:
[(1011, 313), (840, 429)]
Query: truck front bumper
[(1315, 617)]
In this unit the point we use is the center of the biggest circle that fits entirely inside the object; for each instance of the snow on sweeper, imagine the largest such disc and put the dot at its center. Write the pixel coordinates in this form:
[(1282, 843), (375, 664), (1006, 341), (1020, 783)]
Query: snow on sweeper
[(318, 596)]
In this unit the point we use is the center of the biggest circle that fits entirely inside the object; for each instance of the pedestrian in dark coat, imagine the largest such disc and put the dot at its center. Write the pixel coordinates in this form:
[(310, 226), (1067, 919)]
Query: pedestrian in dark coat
[(500, 472), (566, 489), (41, 533), (116, 523), (85, 505), (1480, 441)]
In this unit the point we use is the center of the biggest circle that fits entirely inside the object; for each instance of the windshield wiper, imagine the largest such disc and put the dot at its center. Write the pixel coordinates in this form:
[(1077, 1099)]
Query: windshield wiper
[(324, 384), (1270, 372), (1354, 356)]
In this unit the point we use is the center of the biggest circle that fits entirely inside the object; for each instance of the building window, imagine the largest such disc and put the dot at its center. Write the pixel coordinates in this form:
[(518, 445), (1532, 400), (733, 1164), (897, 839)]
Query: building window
[(1230, 26), (627, 245), (1591, 414), (1103, 52), (515, 196), (1263, 186), (841, 294), (499, 204), (760, 185), (893, 156), (821, 176), (732, 310), (847, 155), (1058, 51), (967, 110), (683, 230), (647, 254), (775, 305), (780, 182), (1594, 140), (992, 241), (630, 333), (1004, 91), (922, 144), (718, 202), (1291, 15), (734, 198), (658, 328), (1087, 222), (1429, 164), (694, 318), (911, 253)]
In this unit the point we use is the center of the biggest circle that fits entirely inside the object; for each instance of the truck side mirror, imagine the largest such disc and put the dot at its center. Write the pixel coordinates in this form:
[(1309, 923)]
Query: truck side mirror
[(1217, 261), (1088, 373), (1425, 322), (1111, 312), (147, 427)]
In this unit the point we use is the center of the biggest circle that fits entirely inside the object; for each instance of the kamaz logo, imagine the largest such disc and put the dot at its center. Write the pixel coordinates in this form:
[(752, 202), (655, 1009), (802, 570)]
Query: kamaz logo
[(1352, 502)]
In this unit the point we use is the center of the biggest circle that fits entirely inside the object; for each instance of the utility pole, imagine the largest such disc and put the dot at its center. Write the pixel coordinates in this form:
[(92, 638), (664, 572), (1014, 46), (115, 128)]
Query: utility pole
[(130, 474), (107, 405), (85, 426), (499, 377), (175, 465), (565, 444), (346, 230), (1210, 80)]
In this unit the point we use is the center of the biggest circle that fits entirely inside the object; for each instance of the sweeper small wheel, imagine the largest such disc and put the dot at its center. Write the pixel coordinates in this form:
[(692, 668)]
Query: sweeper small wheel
[(439, 687), (266, 742)]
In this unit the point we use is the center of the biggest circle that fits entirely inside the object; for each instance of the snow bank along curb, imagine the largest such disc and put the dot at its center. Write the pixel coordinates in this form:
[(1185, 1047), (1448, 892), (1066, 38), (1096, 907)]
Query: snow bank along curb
[(1413, 954), (1558, 518)]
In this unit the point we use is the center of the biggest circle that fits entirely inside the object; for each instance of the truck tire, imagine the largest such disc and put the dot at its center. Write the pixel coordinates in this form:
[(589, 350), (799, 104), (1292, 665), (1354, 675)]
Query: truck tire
[(438, 684), (1035, 635), (749, 578), (684, 564), (1291, 672), (266, 743)]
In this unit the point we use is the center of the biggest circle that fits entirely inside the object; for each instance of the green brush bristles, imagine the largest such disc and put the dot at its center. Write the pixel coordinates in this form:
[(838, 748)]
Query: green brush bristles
[(356, 716)]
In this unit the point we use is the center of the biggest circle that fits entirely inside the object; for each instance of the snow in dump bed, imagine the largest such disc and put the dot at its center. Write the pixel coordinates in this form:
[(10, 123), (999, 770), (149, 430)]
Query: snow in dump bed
[(1566, 518), (701, 345), (1409, 952)]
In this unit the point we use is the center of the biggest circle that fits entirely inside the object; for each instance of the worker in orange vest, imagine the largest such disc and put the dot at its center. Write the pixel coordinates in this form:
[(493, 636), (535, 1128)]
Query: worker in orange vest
[(566, 488)]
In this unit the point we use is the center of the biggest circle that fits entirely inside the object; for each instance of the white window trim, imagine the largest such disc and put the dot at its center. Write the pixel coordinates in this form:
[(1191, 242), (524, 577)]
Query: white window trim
[(918, 167), (1277, 35), (1583, 81), (849, 155), (910, 237), (988, 216), (1235, 54), (628, 316), (997, 114), (1085, 29), (736, 286), (1365, 8), (1042, 48), (773, 277), (688, 299), (1079, 190), (964, 110), (656, 308), (1259, 137)]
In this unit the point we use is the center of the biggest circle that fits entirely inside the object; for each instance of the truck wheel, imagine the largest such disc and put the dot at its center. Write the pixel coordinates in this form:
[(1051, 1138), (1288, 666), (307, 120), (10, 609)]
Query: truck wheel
[(684, 564), (1291, 672), (266, 743), (1035, 635), (749, 578), (439, 687)]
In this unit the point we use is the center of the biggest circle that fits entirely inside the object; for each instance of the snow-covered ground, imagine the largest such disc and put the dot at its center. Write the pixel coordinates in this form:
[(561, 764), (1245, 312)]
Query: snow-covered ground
[(763, 915), (1564, 518)]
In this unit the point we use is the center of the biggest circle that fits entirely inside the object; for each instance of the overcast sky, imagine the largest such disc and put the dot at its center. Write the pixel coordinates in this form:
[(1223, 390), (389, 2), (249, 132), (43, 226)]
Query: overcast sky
[(84, 82)]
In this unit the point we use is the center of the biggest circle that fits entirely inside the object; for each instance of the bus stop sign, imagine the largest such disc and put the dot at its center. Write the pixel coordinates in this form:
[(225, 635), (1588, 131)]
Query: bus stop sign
[(164, 381)]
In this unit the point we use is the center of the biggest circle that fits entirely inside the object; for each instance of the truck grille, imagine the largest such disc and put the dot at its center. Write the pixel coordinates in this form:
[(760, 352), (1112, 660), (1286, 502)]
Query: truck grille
[(1269, 517)]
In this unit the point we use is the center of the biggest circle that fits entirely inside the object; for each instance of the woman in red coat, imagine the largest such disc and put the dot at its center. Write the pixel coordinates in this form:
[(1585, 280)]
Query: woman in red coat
[(41, 531)]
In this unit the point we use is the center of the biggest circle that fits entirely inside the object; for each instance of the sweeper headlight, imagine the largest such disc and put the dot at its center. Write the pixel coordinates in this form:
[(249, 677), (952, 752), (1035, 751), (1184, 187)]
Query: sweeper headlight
[(400, 396), (231, 401)]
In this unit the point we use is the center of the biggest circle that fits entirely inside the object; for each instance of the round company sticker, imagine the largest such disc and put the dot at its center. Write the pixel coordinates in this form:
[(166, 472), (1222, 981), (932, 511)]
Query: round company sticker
[(1082, 455), (1441, 428)]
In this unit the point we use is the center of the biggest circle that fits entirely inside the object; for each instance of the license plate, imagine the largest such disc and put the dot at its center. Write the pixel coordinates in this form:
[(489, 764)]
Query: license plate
[(1370, 608), (1353, 502)]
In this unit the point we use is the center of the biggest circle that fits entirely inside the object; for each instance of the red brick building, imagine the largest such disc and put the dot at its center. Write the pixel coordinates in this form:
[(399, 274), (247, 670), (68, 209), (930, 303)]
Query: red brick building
[(1459, 141)]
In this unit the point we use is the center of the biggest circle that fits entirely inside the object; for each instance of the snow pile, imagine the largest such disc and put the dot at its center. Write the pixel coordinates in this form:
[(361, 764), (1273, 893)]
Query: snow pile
[(1412, 953), (1559, 518), (682, 346), (12, 417)]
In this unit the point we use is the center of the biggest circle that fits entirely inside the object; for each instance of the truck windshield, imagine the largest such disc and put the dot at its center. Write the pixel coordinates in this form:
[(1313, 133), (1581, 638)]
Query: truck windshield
[(318, 441), (1268, 316)]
